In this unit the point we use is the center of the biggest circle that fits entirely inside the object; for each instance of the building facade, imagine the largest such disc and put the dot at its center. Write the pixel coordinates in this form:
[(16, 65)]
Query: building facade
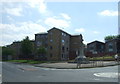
[(95, 48), (75, 41), (60, 44), (111, 47), (40, 42)]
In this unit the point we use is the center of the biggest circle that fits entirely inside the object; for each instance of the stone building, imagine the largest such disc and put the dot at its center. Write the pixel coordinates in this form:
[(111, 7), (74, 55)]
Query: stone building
[(95, 48), (40, 42), (59, 44), (111, 47), (74, 46)]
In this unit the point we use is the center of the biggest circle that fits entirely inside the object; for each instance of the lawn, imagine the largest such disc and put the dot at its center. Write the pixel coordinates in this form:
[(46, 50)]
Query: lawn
[(104, 58), (27, 61)]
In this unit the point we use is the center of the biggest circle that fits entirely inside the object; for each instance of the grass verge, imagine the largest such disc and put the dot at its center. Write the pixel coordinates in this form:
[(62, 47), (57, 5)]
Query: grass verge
[(27, 61)]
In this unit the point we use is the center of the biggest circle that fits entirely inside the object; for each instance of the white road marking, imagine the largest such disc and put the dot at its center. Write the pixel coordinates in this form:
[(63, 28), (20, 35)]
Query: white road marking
[(96, 79), (107, 74)]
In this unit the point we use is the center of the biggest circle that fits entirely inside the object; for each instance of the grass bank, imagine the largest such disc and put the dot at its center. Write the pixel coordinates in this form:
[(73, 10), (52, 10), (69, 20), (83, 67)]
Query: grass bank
[(27, 61), (104, 58)]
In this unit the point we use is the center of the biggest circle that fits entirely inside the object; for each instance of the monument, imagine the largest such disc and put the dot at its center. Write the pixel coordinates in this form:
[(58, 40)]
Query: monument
[(81, 58)]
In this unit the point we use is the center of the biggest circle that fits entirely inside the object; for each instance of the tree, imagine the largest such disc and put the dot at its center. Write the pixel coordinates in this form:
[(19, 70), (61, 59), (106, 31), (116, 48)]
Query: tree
[(41, 52), (110, 37), (7, 52), (26, 47), (118, 36)]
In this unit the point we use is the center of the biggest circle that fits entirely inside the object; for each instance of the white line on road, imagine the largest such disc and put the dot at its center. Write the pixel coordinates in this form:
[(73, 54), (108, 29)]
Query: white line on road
[(107, 74)]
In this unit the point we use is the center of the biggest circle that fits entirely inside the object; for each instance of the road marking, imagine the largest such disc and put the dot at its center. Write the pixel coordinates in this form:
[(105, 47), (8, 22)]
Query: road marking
[(96, 79), (107, 74)]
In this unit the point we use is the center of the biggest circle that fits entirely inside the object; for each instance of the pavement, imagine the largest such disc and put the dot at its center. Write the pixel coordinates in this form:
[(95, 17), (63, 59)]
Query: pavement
[(66, 65)]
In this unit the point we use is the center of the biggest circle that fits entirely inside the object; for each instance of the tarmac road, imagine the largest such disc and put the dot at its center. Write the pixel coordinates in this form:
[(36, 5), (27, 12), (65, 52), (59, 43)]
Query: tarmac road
[(12, 72)]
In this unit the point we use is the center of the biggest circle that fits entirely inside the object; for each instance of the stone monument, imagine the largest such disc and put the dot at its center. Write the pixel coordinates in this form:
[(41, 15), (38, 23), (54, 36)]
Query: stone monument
[(81, 58)]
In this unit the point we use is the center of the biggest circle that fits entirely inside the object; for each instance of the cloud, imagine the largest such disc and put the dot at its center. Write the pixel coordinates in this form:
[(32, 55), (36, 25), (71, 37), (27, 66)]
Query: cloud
[(54, 22), (65, 16), (40, 4), (108, 13), (80, 30), (96, 32), (14, 11), (12, 32), (10, 18)]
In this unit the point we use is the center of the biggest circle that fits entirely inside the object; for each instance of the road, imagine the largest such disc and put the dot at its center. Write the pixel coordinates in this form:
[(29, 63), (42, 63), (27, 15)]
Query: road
[(12, 72)]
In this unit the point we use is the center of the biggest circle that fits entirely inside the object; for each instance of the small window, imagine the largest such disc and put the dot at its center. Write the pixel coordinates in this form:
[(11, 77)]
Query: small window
[(67, 49), (63, 41), (62, 55), (51, 40), (51, 55), (110, 50), (50, 47), (38, 43), (63, 48), (62, 33)]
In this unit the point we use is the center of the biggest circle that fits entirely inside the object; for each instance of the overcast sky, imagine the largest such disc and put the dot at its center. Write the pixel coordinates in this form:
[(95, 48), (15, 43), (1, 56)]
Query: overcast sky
[(94, 20)]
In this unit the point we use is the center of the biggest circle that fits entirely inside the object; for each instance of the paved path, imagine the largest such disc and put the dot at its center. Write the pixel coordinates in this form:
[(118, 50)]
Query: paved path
[(66, 65)]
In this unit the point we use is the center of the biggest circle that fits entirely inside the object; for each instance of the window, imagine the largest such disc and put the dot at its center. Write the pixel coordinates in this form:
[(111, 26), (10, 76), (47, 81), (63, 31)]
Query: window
[(51, 55), (102, 47), (63, 41), (63, 48), (51, 40), (63, 34), (110, 50), (110, 47), (50, 47), (38, 43), (67, 49), (62, 55)]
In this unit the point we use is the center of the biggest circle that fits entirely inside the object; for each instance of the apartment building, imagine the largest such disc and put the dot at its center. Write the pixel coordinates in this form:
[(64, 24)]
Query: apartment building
[(95, 48), (60, 44), (111, 47), (75, 41), (40, 42)]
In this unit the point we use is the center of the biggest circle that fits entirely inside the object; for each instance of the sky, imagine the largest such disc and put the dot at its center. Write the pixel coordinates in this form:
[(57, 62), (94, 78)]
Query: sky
[(94, 20)]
